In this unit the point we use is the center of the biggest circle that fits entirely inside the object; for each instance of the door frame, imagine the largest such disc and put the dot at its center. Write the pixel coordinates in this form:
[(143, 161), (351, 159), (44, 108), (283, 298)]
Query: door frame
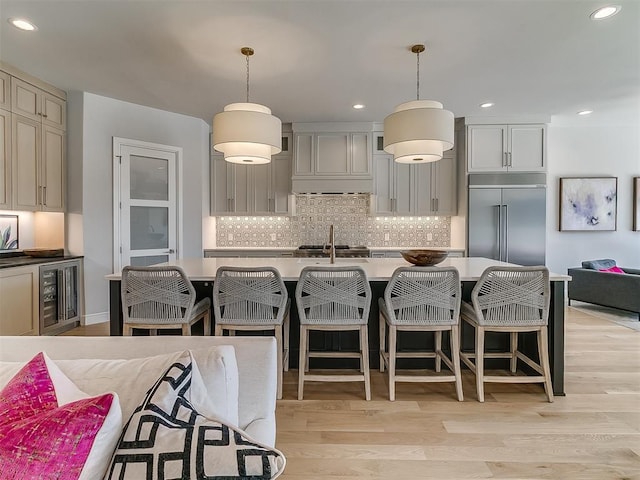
[(119, 142)]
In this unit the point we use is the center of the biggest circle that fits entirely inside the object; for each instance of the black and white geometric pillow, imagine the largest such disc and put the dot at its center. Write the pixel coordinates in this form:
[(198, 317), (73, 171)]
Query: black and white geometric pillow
[(167, 439)]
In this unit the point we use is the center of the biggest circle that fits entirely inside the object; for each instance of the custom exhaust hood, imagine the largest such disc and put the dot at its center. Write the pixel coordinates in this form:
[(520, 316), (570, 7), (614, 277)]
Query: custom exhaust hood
[(332, 158)]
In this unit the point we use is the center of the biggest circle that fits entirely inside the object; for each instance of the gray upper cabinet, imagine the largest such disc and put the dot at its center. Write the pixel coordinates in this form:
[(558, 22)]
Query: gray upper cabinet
[(251, 189), (37, 104), (5, 91), (331, 158), (5, 159), (420, 189), (32, 143), (506, 148)]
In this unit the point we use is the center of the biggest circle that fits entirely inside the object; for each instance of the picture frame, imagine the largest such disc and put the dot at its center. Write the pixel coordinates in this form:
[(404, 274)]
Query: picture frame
[(636, 204), (588, 204), (9, 235)]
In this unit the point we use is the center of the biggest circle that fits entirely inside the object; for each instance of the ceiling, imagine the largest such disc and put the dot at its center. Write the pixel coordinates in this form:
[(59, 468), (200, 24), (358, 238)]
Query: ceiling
[(314, 59)]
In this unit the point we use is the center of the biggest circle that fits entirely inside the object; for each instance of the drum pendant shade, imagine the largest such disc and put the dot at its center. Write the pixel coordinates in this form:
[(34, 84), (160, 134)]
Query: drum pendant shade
[(247, 133), (418, 131)]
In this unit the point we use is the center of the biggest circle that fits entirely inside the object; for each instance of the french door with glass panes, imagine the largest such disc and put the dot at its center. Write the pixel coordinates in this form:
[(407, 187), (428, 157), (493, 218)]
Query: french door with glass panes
[(148, 203)]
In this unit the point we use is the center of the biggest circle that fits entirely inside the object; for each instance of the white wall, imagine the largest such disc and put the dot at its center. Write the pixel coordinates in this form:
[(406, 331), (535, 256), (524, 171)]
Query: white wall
[(102, 119), (596, 146)]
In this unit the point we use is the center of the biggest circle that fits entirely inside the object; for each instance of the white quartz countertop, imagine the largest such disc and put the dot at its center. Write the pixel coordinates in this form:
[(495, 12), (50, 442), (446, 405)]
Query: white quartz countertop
[(377, 269)]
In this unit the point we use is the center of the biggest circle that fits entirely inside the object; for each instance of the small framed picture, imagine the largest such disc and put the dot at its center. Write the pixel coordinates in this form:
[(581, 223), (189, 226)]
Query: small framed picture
[(9, 237), (588, 203), (636, 204)]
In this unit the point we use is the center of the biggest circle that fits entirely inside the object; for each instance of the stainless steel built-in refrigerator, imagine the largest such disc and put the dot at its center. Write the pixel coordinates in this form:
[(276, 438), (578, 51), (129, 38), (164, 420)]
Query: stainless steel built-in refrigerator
[(507, 217)]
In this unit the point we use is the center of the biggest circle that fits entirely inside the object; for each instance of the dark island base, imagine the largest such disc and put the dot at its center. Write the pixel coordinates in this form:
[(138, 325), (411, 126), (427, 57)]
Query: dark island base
[(348, 341)]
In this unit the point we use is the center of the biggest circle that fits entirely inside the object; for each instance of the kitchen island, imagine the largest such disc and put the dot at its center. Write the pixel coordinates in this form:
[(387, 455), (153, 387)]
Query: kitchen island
[(202, 272)]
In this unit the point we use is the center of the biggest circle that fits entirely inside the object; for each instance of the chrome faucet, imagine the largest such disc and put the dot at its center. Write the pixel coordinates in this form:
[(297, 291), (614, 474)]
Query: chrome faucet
[(331, 247)]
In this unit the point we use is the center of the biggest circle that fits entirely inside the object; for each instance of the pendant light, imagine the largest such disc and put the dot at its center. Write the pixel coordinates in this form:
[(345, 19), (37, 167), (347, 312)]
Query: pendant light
[(247, 133), (418, 131)]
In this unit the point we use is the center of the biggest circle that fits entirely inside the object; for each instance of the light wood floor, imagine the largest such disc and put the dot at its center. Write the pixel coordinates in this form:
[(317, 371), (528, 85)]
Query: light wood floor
[(593, 433)]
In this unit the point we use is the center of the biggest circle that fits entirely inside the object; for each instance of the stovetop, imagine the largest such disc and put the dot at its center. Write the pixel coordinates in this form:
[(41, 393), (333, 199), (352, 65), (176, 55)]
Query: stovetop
[(341, 251)]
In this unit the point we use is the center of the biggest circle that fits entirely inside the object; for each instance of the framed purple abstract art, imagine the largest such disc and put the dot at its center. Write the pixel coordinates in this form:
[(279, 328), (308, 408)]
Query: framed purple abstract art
[(588, 203)]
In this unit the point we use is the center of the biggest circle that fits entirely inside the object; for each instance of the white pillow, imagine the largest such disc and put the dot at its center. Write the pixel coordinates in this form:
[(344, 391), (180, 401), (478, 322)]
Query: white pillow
[(169, 436), (132, 378)]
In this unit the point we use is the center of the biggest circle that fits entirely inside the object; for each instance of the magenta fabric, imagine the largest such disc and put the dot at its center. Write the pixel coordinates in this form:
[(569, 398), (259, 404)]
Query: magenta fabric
[(612, 270), (40, 439)]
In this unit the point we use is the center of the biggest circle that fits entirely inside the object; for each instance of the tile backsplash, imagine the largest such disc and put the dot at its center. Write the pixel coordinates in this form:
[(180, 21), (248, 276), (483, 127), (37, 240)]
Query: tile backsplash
[(348, 213)]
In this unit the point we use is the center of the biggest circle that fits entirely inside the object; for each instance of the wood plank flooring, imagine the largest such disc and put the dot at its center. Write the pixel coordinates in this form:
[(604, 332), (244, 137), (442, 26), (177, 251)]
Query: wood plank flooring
[(593, 433)]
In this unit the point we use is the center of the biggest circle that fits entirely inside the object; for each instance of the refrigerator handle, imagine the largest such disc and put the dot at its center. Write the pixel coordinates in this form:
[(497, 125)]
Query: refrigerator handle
[(506, 233)]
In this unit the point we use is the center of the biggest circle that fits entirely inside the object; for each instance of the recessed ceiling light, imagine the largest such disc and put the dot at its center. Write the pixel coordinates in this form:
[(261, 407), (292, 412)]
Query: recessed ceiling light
[(358, 106), (585, 112), (487, 104), (22, 24), (605, 12)]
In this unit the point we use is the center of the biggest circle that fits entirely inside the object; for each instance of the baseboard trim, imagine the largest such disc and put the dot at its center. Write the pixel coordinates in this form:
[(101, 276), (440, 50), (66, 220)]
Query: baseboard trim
[(95, 318)]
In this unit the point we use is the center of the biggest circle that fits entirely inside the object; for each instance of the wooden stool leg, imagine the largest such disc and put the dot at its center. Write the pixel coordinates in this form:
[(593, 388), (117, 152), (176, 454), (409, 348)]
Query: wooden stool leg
[(285, 326), (364, 347), (153, 332), (207, 324), (302, 360), (382, 326), (127, 330), (218, 330), (455, 359), (437, 340), (543, 351), (392, 362), (480, 362), (186, 330), (514, 350), (279, 354)]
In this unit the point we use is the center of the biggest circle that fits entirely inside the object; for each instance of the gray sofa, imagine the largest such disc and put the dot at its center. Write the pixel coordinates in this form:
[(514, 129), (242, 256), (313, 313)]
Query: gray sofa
[(615, 290)]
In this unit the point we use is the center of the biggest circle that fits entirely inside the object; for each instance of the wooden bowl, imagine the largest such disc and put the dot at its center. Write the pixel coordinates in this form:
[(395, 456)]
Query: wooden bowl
[(44, 252), (424, 258)]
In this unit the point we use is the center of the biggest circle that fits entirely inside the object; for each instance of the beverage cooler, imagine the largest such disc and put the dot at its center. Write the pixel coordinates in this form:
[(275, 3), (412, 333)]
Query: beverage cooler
[(59, 297)]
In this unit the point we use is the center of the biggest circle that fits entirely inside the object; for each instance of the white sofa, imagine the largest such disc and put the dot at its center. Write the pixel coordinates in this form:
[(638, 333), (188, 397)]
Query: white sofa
[(255, 358)]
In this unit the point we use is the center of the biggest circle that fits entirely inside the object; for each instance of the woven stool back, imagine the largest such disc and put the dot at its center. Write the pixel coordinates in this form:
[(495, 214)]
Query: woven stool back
[(423, 296), (512, 296), (333, 296)]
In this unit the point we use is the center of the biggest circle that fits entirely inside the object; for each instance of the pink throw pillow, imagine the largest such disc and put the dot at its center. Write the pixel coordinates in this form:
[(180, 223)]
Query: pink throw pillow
[(43, 437), (612, 270)]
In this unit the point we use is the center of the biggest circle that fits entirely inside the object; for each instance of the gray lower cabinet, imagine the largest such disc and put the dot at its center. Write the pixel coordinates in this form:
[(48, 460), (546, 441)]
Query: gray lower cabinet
[(244, 253), (395, 253)]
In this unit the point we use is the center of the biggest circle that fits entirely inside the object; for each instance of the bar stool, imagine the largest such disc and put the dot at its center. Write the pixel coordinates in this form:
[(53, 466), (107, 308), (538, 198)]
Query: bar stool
[(161, 298), (513, 300), (248, 298), (333, 299), (423, 299)]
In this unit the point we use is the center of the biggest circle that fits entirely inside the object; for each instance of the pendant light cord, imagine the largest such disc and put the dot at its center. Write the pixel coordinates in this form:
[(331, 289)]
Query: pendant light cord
[(247, 78), (417, 76)]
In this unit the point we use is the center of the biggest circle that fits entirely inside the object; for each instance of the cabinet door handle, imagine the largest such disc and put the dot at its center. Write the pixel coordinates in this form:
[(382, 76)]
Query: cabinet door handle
[(437, 200), (44, 195), (505, 161), (510, 160)]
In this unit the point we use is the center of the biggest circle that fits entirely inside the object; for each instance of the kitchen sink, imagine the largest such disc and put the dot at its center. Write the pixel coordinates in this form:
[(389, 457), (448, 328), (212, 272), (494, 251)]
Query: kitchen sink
[(338, 261)]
